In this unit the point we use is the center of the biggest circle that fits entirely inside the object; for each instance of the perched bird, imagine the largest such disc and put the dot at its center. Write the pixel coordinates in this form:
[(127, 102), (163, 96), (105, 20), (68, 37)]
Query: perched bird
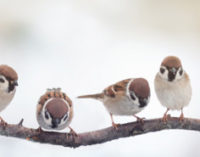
[(55, 110), (126, 97), (8, 83), (172, 86)]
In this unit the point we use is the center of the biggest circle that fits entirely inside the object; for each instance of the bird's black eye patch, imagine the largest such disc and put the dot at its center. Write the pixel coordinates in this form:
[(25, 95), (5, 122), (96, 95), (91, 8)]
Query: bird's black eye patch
[(162, 70), (132, 96), (2, 80), (46, 115), (65, 118), (181, 72)]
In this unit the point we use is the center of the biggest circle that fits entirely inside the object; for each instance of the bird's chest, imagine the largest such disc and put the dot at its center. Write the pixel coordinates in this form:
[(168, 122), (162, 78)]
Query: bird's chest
[(174, 95), (121, 106), (5, 99)]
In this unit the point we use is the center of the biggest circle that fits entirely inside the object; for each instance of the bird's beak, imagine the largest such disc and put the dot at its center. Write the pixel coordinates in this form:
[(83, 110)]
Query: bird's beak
[(143, 102), (172, 74), (55, 122), (15, 83), (173, 70)]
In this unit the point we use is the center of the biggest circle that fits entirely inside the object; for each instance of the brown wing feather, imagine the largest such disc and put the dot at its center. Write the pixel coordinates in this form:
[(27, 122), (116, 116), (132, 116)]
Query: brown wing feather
[(121, 86), (39, 109), (54, 93), (118, 88), (110, 91)]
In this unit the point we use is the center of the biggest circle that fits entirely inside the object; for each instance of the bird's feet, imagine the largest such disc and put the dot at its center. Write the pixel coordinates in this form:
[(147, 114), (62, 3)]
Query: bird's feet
[(115, 125), (181, 118), (2, 122), (164, 119), (165, 116)]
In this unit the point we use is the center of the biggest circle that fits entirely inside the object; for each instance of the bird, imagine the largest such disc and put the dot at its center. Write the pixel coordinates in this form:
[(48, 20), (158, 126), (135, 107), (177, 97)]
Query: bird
[(55, 110), (172, 86), (8, 83), (124, 98)]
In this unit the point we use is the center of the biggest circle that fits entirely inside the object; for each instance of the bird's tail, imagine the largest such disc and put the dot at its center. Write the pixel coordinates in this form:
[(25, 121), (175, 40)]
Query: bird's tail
[(98, 96)]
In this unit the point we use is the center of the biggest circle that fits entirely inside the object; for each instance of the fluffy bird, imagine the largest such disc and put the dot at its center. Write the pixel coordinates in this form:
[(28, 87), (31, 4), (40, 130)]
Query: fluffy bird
[(127, 97), (8, 83), (172, 86), (55, 110)]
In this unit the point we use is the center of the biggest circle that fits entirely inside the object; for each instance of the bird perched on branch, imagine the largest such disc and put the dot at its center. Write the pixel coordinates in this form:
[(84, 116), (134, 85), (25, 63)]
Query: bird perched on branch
[(8, 83), (55, 110), (126, 97), (172, 86)]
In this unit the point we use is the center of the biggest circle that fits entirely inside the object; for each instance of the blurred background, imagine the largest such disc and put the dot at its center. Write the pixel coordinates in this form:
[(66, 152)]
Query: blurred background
[(84, 46)]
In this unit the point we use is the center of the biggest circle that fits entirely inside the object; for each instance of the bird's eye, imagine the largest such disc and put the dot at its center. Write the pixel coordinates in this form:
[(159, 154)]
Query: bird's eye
[(181, 72), (2, 80), (65, 118), (162, 70), (46, 115)]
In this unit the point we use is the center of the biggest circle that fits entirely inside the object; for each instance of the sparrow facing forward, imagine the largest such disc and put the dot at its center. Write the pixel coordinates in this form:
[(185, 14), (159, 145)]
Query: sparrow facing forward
[(54, 110), (8, 83), (126, 97), (172, 86)]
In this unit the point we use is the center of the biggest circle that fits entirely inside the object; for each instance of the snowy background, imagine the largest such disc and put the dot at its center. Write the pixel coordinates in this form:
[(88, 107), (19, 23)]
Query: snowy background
[(84, 46)]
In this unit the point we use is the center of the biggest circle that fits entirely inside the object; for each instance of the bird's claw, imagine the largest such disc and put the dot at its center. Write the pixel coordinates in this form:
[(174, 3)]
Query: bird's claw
[(181, 118), (116, 126), (3, 122)]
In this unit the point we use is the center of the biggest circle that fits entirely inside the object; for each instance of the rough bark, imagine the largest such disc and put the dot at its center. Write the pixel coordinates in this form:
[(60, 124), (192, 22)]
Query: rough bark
[(99, 136)]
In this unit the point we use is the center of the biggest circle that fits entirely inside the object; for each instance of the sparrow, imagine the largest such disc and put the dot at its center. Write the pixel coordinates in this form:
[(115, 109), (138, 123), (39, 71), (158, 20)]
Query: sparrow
[(124, 98), (54, 110), (8, 83), (172, 86)]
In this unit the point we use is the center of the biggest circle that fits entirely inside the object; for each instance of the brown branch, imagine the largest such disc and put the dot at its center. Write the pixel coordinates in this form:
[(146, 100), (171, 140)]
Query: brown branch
[(100, 136)]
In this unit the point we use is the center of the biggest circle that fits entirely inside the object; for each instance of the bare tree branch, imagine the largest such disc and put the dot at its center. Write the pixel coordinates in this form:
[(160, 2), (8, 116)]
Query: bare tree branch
[(100, 136)]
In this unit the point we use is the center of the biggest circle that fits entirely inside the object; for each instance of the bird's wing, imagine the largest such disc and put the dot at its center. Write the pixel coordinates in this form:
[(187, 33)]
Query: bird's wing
[(54, 93), (118, 88)]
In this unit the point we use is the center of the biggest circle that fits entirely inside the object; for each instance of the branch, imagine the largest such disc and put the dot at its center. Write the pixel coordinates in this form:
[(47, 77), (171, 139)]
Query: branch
[(100, 136)]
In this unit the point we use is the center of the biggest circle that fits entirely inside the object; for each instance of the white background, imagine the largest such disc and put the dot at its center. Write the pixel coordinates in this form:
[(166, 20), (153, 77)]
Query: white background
[(84, 46)]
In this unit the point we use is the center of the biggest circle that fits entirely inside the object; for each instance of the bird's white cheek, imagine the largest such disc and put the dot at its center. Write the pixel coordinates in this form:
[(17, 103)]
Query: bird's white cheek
[(136, 101), (164, 75), (148, 100), (63, 121), (4, 86), (47, 121), (178, 76), (66, 120)]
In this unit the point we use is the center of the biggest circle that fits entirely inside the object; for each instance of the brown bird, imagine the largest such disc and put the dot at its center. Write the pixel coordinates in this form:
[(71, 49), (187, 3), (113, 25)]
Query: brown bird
[(55, 110), (126, 97), (8, 83), (172, 85)]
